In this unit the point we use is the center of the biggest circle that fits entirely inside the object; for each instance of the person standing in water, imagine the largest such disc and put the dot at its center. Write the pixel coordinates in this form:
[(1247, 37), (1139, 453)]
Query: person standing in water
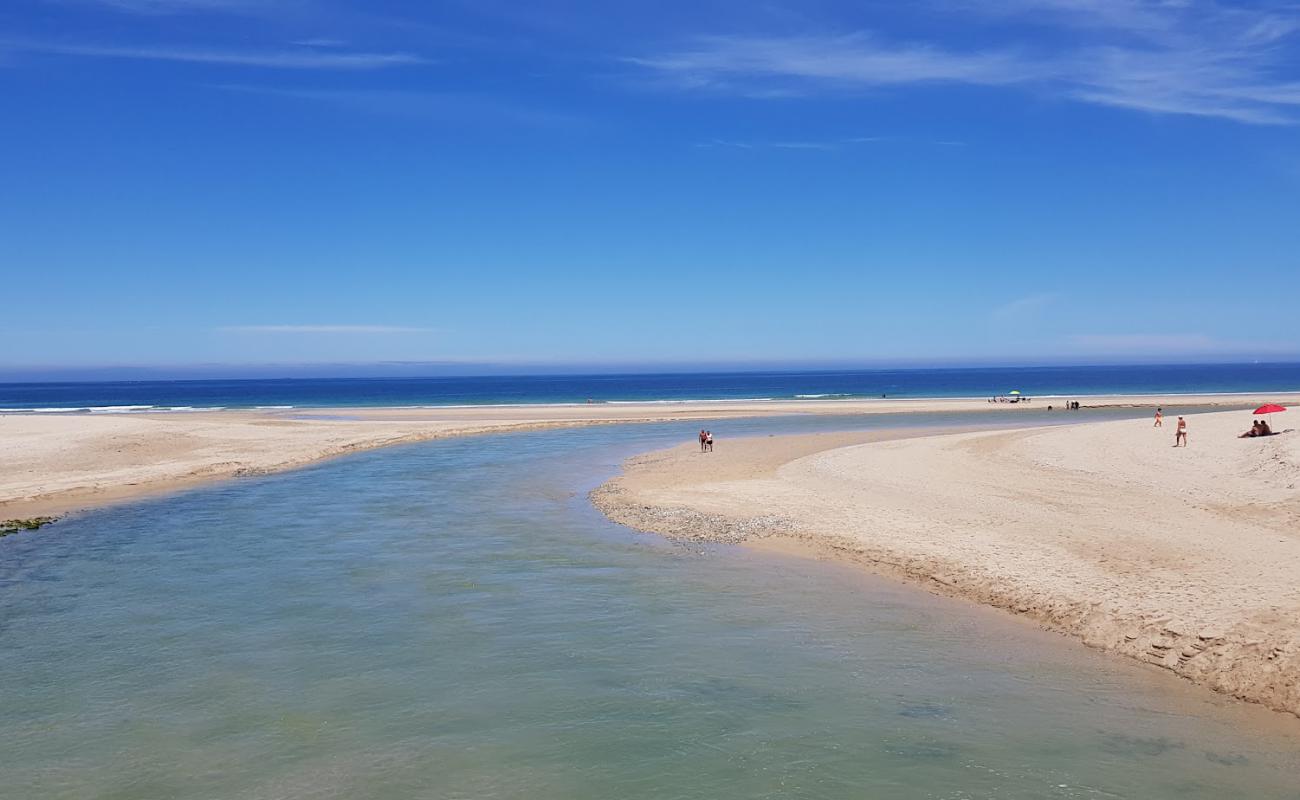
[(1160, 418), (1180, 435)]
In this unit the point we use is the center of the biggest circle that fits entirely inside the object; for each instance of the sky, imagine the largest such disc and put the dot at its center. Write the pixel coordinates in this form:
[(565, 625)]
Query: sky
[(278, 182)]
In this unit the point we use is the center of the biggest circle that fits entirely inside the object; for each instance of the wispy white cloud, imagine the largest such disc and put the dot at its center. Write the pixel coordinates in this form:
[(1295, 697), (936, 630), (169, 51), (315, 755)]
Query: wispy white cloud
[(852, 60), (1168, 21), (1160, 57), (298, 59), (328, 329), (1196, 82)]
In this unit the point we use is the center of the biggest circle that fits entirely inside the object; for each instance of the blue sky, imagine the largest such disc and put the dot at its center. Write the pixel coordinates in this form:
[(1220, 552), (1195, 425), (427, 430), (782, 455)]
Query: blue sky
[(303, 181)]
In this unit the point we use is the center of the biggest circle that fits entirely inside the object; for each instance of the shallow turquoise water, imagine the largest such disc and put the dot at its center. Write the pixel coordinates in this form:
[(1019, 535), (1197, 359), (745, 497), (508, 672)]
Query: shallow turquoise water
[(453, 620)]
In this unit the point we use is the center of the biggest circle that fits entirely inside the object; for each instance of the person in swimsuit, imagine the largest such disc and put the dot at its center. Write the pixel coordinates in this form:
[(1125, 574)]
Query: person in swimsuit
[(704, 435), (1180, 435), (708, 440), (1160, 418)]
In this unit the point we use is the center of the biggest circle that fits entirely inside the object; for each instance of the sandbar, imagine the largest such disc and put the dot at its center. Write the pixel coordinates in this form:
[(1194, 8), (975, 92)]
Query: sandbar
[(1185, 558), (55, 463)]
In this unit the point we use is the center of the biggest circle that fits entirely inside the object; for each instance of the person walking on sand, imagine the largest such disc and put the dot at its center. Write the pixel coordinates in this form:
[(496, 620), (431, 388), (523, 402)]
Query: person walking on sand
[(708, 440), (1180, 435), (704, 435), (1160, 418)]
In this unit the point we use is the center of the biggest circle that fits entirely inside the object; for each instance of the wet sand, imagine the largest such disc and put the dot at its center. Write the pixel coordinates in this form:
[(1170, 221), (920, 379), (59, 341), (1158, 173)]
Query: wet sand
[(1185, 558)]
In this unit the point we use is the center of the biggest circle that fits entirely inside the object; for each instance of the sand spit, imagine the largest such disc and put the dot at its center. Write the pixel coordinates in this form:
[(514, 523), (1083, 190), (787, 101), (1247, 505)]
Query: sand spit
[(54, 463), (1188, 559), (57, 464)]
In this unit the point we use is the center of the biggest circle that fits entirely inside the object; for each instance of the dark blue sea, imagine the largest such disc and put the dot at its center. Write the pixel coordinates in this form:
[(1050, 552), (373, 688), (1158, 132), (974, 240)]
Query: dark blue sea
[(1072, 381)]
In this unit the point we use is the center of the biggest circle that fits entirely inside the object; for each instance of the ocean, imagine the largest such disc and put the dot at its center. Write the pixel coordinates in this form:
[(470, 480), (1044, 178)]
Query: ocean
[(453, 619), (127, 396)]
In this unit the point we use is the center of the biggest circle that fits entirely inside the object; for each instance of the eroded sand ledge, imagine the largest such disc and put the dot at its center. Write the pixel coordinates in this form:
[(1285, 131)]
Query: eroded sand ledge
[(1184, 558)]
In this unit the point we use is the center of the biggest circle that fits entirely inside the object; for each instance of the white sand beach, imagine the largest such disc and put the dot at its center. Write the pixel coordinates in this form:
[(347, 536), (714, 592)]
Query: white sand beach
[(1186, 558), (55, 463)]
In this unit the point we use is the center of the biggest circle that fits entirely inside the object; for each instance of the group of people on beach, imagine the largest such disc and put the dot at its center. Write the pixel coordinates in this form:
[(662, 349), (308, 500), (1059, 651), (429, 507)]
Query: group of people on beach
[(1070, 405), (1258, 428)]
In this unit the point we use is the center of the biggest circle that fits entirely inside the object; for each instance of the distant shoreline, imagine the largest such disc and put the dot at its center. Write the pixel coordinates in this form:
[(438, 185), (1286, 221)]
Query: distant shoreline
[(61, 462), (1107, 399)]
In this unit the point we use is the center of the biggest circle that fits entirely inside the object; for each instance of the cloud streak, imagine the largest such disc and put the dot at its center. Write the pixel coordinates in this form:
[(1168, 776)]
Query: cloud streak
[(855, 59), (324, 329), (1163, 58), (295, 59)]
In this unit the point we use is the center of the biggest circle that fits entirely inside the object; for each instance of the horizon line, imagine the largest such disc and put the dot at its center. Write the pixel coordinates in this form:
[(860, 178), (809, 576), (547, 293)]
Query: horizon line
[(407, 370)]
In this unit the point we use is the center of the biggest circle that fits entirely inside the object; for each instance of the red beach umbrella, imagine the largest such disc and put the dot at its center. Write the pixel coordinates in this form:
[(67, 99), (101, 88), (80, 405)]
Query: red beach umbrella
[(1271, 408)]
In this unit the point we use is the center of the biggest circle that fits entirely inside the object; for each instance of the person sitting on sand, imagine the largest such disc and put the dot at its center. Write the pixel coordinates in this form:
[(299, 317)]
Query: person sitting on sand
[(1264, 430), (1180, 435), (1252, 433)]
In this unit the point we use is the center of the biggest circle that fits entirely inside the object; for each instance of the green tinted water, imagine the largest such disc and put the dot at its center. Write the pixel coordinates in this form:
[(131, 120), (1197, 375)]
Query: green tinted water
[(453, 620)]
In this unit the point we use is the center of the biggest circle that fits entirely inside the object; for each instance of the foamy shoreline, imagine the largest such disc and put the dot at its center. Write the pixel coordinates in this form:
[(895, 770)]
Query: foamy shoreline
[(1186, 558), (1110, 399)]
